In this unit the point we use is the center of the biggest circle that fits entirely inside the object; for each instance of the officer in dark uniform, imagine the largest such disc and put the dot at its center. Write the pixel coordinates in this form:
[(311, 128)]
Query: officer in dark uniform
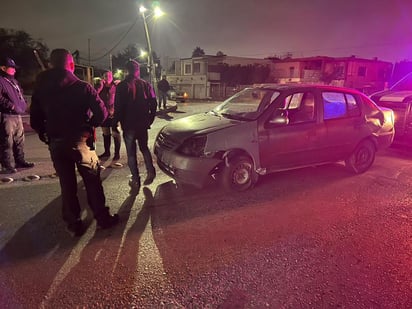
[(12, 106), (135, 107), (63, 112)]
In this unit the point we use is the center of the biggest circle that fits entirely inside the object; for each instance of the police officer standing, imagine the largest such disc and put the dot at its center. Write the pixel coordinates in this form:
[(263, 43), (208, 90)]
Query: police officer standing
[(12, 106), (135, 107), (63, 112), (107, 90), (163, 87)]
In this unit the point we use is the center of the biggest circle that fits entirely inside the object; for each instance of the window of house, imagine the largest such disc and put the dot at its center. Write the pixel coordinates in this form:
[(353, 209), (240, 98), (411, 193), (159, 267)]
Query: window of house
[(196, 67), (291, 72), (172, 68), (339, 71), (188, 69), (362, 71)]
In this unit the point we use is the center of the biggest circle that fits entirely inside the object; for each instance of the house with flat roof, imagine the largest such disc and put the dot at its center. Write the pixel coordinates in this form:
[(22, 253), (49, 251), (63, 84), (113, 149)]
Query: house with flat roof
[(204, 77), (366, 75), (217, 77)]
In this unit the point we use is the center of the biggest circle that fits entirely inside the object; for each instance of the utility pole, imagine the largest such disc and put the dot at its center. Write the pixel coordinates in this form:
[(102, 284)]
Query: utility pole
[(111, 62), (88, 48), (149, 46), (156, 12)]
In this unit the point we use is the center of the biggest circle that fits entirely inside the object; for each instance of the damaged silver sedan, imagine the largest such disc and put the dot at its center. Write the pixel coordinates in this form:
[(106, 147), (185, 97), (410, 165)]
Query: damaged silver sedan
[(271, 128)]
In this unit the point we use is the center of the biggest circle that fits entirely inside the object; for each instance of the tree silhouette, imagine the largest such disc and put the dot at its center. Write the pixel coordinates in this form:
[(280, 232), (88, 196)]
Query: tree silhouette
[(20, 46), (132, 52), (119, 60), (198, 52)]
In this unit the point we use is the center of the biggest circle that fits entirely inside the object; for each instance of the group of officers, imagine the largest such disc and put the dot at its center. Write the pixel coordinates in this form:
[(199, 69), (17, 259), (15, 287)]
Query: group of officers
[(64, 112)]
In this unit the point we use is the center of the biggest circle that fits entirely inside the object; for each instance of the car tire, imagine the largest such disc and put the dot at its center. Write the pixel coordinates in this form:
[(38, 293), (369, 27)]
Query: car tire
[(362, 157), (237, 175)]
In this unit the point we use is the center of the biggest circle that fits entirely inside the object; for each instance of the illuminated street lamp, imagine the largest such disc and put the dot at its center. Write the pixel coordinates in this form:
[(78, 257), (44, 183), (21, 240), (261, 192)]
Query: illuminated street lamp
[(119, 74), (143, 54), (157, 12)]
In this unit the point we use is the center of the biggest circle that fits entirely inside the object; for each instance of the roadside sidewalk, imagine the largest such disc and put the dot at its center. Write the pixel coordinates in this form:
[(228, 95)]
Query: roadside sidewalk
[(38, 153)]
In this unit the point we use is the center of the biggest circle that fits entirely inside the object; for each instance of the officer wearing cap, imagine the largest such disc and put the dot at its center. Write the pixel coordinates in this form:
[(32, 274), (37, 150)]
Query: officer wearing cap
[(12, 106)]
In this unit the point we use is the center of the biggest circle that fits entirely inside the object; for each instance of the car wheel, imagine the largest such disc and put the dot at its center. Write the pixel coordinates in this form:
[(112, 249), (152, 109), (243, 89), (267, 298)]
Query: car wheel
[(362, 157), (238, 174)]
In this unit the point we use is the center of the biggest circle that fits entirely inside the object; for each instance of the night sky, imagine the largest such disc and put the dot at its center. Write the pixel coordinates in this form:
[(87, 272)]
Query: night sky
[(259, 28)]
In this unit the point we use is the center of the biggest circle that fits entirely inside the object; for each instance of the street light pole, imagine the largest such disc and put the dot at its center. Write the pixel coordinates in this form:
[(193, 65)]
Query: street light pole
[(150, 62), (149, 46)]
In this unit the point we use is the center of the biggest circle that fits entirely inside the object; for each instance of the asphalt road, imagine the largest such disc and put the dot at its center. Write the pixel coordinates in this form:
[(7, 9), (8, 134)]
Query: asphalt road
[(310, 238)]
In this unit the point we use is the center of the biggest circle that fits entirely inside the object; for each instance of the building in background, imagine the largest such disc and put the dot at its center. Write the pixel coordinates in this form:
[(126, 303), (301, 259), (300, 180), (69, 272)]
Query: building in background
[(218, 77), (366, 75), (207, 77)]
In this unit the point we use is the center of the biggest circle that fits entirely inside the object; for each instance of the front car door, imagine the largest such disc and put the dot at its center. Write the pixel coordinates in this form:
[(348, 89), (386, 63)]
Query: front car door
[(297, 143)]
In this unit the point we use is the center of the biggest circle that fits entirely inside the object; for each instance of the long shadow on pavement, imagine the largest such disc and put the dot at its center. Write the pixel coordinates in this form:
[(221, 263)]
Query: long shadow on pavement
[(44, 231)]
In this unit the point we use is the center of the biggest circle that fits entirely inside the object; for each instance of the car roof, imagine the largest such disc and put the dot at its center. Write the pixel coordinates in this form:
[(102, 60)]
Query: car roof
[(295, 86)]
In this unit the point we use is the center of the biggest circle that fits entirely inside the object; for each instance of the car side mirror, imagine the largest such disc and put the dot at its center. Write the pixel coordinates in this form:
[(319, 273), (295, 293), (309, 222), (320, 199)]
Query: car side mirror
[(278, 120)]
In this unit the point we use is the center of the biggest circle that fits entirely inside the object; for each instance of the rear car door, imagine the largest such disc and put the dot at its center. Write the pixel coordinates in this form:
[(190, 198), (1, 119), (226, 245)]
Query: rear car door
[(344, 123)]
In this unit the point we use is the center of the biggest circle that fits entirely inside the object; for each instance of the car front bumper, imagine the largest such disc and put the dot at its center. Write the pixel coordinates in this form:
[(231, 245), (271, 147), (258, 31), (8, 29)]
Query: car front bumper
[(186, 170)]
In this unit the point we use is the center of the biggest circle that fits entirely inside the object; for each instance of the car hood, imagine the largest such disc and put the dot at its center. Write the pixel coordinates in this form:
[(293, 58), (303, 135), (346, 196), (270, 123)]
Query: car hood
[(197, 124), (392, 96)]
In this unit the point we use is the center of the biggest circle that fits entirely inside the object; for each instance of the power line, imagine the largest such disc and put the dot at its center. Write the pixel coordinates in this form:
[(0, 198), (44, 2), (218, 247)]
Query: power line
[(117, 44)]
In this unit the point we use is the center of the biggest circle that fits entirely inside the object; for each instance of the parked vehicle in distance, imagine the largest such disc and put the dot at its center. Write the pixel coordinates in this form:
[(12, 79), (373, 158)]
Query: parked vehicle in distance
[(177, 95), (271, 128), (399, 99)]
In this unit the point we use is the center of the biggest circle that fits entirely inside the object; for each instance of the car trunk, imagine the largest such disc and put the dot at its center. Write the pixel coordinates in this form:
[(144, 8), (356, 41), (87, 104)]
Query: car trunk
[(403, 118)]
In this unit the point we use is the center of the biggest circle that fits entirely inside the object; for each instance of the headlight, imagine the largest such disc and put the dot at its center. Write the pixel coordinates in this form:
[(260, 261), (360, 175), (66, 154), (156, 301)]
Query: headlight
[(193, 147)]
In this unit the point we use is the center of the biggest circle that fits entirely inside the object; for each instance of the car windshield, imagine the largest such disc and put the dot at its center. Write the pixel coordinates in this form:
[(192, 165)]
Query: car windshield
[(404, 84), (247, 104)]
